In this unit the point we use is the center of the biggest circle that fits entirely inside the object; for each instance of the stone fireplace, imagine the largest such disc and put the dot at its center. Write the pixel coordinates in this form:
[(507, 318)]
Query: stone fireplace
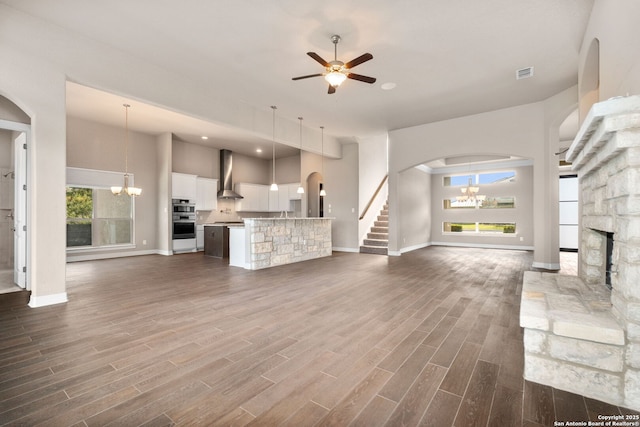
[(582, 334)]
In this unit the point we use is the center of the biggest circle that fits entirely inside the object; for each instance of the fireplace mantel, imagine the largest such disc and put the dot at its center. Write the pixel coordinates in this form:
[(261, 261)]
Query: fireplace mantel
[(600, 349), (605, 120)]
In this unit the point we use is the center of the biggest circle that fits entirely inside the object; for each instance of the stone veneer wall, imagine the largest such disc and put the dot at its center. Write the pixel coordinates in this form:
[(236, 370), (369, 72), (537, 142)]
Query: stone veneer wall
[(278, 241), (576, 339)]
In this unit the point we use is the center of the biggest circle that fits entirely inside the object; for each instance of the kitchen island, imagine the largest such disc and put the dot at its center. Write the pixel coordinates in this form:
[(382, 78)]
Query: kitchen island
[(269, 242)]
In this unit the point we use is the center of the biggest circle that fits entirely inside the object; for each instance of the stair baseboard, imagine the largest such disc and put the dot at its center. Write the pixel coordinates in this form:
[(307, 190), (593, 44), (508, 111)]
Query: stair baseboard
[(376, 242), (378, 236), (378, 250)]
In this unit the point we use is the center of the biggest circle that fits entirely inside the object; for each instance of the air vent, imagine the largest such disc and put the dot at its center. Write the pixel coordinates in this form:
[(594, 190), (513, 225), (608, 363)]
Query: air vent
[(524, 73)]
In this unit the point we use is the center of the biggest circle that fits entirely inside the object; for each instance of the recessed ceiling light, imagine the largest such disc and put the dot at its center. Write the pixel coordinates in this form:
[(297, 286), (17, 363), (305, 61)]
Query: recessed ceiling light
[(388, 86), (258, 150), (204, 137)]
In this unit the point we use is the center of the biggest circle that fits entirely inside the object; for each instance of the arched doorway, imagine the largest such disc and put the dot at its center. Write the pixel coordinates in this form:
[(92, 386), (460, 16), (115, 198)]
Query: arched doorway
[(315, 205), (14, 136)]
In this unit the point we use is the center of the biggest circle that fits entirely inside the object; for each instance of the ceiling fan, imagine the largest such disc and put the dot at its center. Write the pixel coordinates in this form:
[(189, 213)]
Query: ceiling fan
[(338, 71)]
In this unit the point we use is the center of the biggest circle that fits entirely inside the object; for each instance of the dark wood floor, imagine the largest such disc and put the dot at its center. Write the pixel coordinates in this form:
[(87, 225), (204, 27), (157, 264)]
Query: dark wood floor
[(428, 338)]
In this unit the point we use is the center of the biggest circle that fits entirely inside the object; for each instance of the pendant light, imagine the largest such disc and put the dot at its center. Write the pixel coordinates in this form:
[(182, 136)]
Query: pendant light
[(300, 187), (322, 192), (131, 191), (274, 186)]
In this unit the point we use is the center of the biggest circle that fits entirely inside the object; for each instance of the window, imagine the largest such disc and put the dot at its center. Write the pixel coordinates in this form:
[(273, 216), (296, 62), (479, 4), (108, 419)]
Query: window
[(506, 202), (479, 178), (496, 177), (481, 228), (95, 217)]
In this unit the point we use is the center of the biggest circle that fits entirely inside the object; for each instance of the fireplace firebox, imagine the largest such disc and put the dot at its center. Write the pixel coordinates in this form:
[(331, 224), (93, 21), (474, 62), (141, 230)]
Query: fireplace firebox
[(609, 261)]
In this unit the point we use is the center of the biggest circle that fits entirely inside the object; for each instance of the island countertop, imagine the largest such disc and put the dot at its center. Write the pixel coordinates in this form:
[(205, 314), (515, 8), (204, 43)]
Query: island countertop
[(269, 242)]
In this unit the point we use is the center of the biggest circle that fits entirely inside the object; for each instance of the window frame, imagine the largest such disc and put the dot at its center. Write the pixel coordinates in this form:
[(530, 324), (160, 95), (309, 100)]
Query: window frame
[(477, 226), (101, 180)]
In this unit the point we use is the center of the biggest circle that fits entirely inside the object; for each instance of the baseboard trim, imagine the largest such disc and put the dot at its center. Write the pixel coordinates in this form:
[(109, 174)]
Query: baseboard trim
[(107, 255), (546, 265), (43, 301), (483, 246), (339, 249), (413, 248)]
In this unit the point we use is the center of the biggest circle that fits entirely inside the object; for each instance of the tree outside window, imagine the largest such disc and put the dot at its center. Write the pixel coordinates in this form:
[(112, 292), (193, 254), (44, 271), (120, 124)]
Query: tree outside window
[(97, 218)]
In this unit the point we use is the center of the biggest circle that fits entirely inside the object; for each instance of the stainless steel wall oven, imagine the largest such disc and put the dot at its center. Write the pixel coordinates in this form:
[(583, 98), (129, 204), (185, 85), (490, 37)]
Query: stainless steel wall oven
[(184, 219)]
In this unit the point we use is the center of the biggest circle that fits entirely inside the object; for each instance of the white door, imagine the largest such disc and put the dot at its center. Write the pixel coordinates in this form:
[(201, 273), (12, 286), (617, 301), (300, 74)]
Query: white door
[(20, 206)]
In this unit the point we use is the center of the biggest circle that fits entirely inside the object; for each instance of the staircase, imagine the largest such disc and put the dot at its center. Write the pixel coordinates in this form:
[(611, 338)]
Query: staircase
[(377, 241)]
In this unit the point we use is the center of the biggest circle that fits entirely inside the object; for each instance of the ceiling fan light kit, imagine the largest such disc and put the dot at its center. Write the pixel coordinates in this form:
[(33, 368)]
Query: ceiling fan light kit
[(336, 72)]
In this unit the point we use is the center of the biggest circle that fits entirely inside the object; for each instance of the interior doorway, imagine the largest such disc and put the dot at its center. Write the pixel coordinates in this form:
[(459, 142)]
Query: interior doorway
[(315, 203), (13, 206)]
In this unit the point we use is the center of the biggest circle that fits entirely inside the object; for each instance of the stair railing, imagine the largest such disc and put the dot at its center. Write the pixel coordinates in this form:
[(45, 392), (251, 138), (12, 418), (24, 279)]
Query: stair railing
[(366, 208)]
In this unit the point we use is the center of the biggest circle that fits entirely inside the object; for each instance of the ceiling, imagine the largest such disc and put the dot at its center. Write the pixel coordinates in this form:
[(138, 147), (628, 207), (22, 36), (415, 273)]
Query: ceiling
[(446, 58)]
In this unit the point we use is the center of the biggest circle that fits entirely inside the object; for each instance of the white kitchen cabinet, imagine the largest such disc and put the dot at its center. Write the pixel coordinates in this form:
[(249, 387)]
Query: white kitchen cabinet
[(281, 200), (248, 192), (200, 237), (260, 198), (183, 186), (255, 197), (206, 194), (293, 191), (284, 197), (274, 199)]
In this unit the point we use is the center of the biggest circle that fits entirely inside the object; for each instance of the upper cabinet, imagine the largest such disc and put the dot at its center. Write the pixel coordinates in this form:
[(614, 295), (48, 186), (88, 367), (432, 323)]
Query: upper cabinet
[(259, 197), (255, 197), (206, 194), (183, 186), (293, 191)]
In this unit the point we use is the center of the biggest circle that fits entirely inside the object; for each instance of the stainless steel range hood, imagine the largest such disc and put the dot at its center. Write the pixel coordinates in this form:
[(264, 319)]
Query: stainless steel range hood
[(226, 167)]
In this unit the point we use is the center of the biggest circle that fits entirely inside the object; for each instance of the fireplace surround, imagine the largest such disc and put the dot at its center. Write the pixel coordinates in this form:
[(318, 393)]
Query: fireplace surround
[(581, 335)]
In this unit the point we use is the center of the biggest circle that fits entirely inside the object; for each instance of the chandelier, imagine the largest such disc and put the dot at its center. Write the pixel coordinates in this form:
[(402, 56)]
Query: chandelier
[(131, 191), (470, 193)]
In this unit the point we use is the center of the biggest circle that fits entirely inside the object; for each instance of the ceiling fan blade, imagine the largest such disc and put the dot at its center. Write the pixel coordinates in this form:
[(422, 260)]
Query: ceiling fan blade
[(331, 90), (359, 60), (306, 77), (361, 78), (318, 58)]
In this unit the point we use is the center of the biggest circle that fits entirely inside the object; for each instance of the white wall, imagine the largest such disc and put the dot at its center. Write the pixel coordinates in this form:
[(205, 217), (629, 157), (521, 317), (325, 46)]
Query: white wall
[(195, 159), (6, 158), (615, 25), (37, 86), (9, 111), (164, 155), (414, 206), (93, 145), (372, 168), (287, 169), (341, 202)]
